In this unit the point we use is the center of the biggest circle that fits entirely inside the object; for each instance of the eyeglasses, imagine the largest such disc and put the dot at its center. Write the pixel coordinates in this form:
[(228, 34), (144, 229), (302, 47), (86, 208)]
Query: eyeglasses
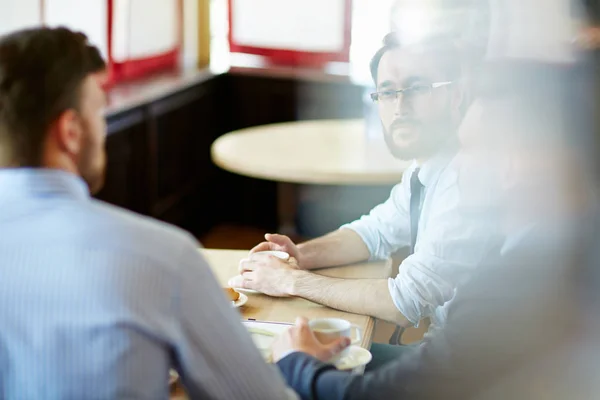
[(412, 92)]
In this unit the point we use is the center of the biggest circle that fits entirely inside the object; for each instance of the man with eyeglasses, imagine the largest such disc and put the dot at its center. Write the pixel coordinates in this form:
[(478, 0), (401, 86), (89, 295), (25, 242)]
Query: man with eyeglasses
[(420, 98)]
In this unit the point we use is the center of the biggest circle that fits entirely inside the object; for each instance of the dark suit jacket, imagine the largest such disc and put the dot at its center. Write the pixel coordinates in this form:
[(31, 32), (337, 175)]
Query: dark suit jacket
[(511, 314)]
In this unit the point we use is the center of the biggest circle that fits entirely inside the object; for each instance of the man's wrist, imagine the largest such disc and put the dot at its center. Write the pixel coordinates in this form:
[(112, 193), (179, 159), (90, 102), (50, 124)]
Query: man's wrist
[(296, 282), (302, 259)]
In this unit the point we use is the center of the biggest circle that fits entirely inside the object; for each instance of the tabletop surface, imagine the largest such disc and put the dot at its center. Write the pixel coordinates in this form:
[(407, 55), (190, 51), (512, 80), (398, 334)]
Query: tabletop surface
[(224, 264), (331, 152)]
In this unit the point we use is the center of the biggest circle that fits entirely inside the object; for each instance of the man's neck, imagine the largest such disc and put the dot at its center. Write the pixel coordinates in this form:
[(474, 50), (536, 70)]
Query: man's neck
[(421, 161), (59, 161)]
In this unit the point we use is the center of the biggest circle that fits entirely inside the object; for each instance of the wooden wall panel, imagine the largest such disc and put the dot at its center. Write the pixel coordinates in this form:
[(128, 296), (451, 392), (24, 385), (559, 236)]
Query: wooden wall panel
[(159, 153)]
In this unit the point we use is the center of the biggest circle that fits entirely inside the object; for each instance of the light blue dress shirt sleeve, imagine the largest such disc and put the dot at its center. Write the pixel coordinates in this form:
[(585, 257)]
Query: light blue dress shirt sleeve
[(214, 353), (452, 242), (387, 227)]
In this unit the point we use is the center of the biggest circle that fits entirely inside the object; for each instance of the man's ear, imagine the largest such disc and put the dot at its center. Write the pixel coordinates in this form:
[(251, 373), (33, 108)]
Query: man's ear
[(66, 131)]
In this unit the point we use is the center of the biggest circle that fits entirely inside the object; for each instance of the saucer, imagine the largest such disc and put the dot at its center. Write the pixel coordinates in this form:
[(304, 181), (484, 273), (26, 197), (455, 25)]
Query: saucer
[(356, 357), (243, 299)]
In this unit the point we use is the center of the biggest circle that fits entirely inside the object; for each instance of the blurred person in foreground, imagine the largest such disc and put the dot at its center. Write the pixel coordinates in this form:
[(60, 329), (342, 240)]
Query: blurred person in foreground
[(520, 327), (420, 98), (97, 302)]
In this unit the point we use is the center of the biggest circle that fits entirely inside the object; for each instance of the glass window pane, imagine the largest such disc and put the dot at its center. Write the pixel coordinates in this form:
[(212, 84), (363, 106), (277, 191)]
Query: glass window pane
[(144, 28), (89, 17), (19, 14), (307, 25), (371, 21)]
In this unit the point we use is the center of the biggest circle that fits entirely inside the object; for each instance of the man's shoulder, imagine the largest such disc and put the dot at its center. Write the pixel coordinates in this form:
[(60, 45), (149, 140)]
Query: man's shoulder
[(136, 230)]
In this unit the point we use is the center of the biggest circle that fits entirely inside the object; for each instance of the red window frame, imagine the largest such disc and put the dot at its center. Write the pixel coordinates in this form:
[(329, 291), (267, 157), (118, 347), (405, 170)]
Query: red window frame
[(111, 78), (294, 57), (138, 67)]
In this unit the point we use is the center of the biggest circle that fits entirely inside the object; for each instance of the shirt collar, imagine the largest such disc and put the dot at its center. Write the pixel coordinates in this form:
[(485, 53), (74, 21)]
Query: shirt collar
[(431, 169), (20, 182)]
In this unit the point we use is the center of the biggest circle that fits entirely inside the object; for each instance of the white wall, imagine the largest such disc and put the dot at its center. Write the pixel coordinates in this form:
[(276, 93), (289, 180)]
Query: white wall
[(143, 28), (307, 25), (152, 28), (89, 17), (18, 14)]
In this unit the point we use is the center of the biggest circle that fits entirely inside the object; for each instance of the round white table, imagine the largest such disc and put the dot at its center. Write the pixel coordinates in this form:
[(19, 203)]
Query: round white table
[(330, 152), (343, 171)]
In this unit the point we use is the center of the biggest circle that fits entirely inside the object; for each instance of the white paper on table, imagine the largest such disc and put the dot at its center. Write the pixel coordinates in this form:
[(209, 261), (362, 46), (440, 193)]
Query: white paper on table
[(264, 333), (307, 25)]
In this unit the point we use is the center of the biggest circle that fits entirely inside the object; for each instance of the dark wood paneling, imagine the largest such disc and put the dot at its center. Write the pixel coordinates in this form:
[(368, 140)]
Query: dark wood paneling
[(159, 153), (254, 101), (186, 124), (259, 100), (127, 161), (329, 100), (158, 157)]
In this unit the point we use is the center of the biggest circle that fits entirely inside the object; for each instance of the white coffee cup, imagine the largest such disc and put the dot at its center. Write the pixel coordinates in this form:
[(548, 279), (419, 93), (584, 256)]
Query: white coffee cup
[(327, 330), (279, 254)]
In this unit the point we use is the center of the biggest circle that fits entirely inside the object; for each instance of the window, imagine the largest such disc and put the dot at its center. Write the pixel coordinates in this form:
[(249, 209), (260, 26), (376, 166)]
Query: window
[(89, 17), (370, 21), (19, 14), (136, 36), (146, 36), (308, 32)]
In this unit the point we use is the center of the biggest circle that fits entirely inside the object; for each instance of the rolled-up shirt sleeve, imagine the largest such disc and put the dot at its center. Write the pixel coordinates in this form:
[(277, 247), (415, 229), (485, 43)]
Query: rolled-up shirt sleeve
[(387, 227), (453, 243)]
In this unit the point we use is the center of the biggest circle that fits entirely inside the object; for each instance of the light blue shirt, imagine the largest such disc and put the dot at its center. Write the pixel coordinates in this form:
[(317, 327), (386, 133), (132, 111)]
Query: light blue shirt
[(451, 241), (98, 303)]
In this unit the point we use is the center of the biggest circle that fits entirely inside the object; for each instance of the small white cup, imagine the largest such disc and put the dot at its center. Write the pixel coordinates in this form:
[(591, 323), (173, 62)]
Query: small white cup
[(327, 330), (279, 254)]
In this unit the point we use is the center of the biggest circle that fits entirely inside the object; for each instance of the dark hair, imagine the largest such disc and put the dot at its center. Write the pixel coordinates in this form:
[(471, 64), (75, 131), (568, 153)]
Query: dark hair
[(41, 74), (390, 42), (442, 48)]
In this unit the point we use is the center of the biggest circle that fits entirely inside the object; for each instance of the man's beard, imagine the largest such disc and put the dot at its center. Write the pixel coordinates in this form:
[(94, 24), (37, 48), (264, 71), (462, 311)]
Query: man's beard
[(92, 166), (429, 140)]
